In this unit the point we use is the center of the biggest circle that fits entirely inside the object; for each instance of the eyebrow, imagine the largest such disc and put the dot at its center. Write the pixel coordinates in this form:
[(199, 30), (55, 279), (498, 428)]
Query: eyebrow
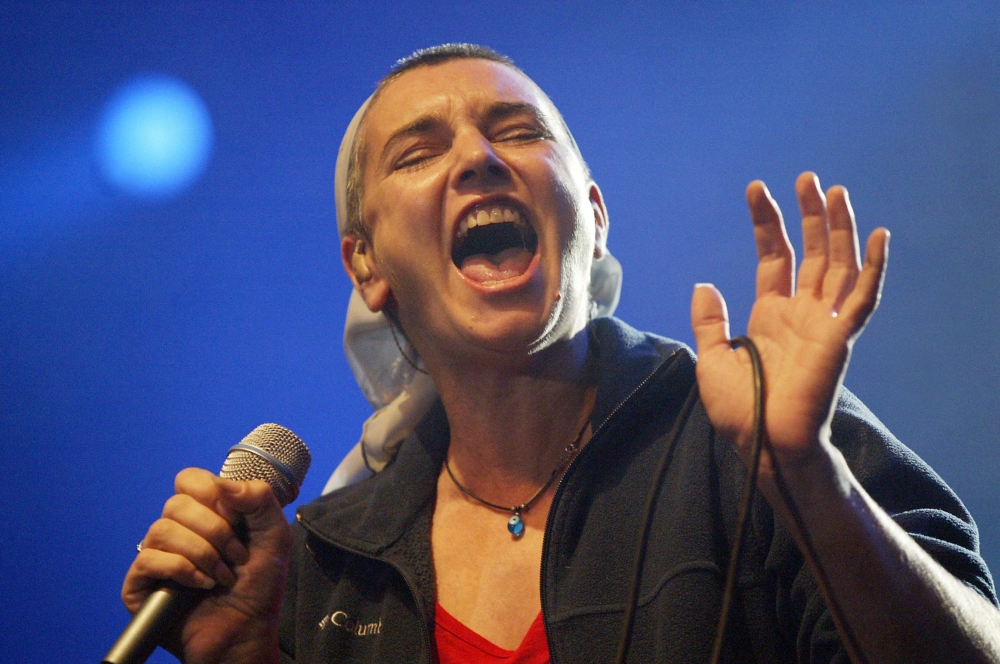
[(497, 111), (502, 110), (421, 125)]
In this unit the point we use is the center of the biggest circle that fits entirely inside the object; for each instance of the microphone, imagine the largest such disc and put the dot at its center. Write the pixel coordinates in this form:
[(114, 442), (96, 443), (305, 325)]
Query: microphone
[(271, 453)]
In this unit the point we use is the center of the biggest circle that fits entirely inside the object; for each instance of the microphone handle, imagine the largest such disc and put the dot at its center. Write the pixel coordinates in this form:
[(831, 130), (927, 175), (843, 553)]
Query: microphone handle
[(271, 453), (159, 613)]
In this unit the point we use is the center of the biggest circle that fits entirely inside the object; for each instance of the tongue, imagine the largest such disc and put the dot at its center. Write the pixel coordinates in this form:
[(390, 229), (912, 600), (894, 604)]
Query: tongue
[(507, 264)]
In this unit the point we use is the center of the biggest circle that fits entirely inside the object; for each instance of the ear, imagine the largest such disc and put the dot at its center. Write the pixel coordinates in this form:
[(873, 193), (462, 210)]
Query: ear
[(600, 220), (359, 263)]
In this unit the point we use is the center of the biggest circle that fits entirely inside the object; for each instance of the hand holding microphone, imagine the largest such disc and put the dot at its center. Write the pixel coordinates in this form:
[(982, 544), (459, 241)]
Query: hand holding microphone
[(220, 551)]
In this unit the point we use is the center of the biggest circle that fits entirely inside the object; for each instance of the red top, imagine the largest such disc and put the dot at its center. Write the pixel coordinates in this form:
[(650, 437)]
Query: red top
[(457, 644)]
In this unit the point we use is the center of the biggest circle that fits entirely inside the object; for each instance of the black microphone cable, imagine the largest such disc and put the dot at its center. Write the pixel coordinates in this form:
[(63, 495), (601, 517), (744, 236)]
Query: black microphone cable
[(758, 440)]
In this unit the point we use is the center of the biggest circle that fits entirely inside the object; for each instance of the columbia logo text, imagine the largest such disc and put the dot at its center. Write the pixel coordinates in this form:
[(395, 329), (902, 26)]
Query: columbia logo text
[(341, 620)]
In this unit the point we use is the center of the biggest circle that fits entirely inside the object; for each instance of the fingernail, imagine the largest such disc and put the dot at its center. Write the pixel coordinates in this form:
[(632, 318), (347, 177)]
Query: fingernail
[(224, 575), (703, 285), (236, 553), (204, 581)]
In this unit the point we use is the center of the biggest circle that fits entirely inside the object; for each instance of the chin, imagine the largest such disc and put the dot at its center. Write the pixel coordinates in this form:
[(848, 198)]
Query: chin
[(521, 333)]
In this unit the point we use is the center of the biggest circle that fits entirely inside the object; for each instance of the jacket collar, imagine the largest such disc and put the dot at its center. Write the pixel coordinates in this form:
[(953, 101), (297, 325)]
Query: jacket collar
[(625, 358), (368, 517)]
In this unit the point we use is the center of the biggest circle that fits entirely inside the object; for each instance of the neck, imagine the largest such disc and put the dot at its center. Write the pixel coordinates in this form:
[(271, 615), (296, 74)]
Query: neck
[(510, 427)]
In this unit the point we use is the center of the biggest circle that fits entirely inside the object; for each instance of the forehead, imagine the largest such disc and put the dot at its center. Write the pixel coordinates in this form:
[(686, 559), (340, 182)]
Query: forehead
[(461, 86)]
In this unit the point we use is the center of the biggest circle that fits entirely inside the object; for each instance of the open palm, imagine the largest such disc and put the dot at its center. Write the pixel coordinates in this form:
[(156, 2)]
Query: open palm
[(804, 333)]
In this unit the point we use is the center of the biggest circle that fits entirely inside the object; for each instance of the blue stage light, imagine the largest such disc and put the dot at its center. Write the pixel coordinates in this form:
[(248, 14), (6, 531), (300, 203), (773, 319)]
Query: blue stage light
[(155, 137)]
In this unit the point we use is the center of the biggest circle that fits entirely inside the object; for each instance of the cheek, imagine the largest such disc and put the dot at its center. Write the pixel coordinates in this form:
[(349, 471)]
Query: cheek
[(406, 213), (563, 193), (405, 218), (566, 196), (413, 200)]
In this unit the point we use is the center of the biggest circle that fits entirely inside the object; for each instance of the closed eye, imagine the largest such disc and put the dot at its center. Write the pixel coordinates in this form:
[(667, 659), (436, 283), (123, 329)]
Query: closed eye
[(517, 122), (520, 133), (415, 157)]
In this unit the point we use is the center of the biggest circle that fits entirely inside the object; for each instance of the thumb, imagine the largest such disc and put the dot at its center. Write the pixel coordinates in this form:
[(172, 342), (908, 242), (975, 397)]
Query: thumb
[(255, 501), (709, 318)]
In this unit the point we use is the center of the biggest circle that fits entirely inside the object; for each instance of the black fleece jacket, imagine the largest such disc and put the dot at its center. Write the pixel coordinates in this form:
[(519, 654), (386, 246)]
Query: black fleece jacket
[(361, 584)]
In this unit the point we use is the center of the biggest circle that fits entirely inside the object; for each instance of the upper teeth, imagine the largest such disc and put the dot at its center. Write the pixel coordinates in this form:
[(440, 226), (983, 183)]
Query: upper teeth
[(492, 215)]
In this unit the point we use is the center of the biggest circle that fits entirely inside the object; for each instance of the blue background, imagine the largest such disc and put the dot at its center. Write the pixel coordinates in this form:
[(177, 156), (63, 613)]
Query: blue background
[(141, 336)]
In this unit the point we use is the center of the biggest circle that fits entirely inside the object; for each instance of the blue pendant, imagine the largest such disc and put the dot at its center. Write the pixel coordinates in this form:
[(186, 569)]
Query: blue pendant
[(516, 526)]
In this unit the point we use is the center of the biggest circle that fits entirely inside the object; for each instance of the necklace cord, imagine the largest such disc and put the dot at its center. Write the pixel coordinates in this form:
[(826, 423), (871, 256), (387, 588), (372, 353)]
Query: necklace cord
[(399, 347), (571, 449)]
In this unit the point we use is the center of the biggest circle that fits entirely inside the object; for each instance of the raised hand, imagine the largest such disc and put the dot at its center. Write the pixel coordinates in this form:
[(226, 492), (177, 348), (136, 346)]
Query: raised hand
[(195, 544), (804, 333)]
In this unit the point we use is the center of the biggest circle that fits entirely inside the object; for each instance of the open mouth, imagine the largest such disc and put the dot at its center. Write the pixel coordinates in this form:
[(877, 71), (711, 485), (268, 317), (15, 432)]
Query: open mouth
[(493, 243)]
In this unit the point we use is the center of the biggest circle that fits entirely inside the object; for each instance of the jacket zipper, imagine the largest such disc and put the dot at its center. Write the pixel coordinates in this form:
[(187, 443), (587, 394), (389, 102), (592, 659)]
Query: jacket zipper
[(555, 497), (548, 522), (406, 579)]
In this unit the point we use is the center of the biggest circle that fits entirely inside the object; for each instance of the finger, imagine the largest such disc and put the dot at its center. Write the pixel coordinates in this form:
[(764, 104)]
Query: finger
[(253, 501), (256, 502), (152, 566), (845, 261), (709, 319), (199, 484), (863, 300), (208, 524), (815, 234), (776, 266), (171, 537)]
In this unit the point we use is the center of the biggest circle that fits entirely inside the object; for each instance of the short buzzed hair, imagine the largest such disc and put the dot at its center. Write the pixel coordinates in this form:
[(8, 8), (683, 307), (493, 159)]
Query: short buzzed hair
[(425, 57), (436, 55)]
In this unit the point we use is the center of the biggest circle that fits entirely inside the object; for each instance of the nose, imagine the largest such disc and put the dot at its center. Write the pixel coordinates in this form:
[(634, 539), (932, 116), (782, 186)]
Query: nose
[(478, 164)]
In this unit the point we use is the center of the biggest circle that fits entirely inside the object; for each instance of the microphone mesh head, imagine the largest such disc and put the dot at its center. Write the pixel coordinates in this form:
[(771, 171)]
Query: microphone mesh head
[(278, 442)]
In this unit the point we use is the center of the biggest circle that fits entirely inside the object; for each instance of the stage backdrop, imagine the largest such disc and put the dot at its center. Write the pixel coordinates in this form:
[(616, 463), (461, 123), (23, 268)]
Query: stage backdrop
[(169, 272)]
